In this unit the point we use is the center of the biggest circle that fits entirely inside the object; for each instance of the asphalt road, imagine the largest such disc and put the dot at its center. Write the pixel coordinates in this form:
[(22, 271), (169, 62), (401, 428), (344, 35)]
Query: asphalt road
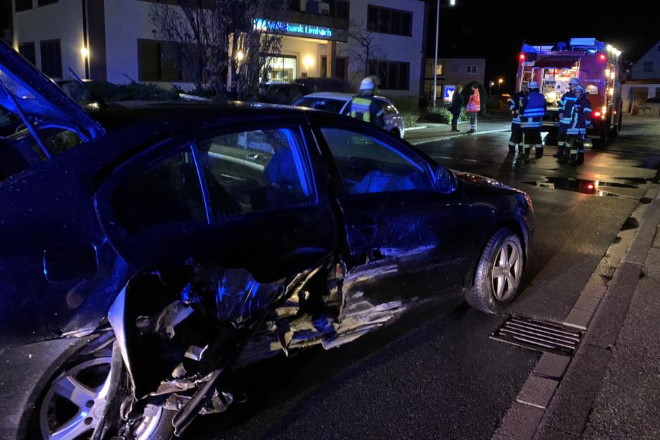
[(436, 374)]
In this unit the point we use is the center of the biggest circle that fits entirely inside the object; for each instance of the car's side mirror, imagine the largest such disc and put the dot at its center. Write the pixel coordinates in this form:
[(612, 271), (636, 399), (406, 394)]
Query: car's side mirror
[(445, 181)]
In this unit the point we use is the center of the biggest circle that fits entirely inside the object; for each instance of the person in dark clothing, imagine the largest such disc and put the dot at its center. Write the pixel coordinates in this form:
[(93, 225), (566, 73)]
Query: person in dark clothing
[(531, 119), (515, 104), (580, 119), (455, 107)]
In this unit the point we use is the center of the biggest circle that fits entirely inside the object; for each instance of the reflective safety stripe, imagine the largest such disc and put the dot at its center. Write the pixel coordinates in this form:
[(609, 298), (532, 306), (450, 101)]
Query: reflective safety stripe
[(533, 112), (360, 109), (576, 130)]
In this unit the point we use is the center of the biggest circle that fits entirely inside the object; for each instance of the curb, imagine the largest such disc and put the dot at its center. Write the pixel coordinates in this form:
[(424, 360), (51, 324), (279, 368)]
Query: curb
[(557, 398)]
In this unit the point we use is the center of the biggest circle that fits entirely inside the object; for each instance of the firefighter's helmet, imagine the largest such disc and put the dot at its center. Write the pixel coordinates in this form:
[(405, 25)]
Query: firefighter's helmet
[(579, 88), (533, 85), (574, 82)]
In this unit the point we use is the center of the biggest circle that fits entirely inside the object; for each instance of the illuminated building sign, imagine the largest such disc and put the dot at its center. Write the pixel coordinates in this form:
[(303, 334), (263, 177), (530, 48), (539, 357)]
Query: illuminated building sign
[(303, 30), (448, 93)]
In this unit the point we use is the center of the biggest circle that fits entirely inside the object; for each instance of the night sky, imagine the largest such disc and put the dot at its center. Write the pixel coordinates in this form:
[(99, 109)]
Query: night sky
[(495, 30)]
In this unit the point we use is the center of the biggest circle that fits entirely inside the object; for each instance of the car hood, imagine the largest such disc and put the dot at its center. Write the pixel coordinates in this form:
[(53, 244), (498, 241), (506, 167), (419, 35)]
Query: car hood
[(25, 90), (475, 179)]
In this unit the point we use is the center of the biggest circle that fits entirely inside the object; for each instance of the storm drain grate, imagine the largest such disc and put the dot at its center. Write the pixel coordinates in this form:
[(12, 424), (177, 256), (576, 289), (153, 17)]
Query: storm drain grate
[(538, 335)]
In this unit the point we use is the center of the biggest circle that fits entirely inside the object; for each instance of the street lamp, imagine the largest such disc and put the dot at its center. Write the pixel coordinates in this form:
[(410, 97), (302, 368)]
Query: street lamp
[(490, 89), (435, 65), (499, 85)]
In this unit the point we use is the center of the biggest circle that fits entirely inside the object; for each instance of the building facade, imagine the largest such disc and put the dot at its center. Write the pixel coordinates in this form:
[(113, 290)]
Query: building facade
[(450, 73), (113, 40), (643, 82)]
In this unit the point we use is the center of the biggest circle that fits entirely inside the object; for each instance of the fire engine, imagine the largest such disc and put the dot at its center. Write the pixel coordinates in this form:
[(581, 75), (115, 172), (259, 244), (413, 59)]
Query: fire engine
[(594, 63)]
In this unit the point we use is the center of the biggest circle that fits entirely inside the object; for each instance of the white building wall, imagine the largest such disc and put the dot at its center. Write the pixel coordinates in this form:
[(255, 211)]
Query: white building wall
[(58, 21), (126, 21), (391, 47), (652, 56)]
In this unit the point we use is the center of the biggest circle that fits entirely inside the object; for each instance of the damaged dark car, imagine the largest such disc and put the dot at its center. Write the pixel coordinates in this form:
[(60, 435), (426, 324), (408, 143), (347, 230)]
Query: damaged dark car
[(152, 249)]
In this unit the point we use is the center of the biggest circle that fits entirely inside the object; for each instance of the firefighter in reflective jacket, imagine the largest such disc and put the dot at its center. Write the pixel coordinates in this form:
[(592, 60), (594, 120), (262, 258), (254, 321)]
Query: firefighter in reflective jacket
[(364, 107), (531, 118), (515, 102), (579, 120), (564, 110)]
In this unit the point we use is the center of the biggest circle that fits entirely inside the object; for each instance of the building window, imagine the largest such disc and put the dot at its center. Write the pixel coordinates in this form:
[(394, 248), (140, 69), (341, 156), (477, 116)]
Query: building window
[(393, 75), (471, 69), (648, 66), (46, 2), (389, 21), (23, 5), (51, 58), (339, 8), (27, 50), (161, 61)]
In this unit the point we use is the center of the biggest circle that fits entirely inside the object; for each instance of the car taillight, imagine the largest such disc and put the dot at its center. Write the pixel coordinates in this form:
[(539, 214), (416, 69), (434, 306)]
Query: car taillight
[(597, 114), (521, 57)]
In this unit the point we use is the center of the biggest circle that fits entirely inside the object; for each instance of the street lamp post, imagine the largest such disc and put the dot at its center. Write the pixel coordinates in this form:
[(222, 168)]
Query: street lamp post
[(435, 65), (490, 88), (499, 86)]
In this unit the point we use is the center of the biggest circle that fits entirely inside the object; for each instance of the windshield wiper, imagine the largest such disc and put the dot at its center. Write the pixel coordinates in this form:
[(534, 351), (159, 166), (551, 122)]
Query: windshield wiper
[(28, 124), (100, 100)]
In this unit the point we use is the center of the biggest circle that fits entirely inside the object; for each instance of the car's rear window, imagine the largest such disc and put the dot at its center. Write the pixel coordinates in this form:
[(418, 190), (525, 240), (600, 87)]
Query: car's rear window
[(329, 105)]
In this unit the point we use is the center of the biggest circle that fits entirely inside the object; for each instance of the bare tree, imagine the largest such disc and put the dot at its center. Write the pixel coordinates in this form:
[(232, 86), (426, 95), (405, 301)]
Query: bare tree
[(363, 45), (205, 33)]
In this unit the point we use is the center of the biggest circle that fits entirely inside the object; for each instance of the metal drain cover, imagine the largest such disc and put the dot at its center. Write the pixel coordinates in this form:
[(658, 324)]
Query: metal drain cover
[(538, 335)]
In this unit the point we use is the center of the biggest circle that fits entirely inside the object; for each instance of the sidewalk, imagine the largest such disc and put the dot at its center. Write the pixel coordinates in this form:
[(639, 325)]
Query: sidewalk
[(610, 389), (443, 131)]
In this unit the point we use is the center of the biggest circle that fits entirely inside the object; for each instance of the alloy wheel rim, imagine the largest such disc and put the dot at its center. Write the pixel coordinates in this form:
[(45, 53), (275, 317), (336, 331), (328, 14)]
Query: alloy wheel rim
[(74, 404), (507, 269)]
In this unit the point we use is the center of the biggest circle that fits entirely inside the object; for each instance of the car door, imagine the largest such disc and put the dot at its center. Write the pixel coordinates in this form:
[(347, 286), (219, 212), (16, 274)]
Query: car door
[(396, 215), (242, 196)]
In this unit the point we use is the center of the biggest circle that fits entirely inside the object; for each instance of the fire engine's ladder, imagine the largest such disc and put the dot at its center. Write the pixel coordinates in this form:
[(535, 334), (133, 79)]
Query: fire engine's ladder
[(527, 74)]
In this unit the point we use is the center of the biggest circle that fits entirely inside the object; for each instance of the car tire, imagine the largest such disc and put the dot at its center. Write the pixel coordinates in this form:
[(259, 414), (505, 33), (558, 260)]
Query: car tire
[(73, 402), (498, 273)]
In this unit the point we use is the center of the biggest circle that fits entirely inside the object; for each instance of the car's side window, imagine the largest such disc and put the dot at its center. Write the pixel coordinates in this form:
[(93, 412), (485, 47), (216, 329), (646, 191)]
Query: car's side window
[(166, 191), (258, 170), (367, 164)]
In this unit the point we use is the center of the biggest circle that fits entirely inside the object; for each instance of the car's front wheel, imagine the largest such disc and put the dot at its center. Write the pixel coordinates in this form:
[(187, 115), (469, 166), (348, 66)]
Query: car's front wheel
[(498, 273), (73, 404)]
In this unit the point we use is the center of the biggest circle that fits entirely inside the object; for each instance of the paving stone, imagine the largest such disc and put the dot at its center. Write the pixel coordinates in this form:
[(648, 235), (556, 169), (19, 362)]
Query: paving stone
[(588, 303), (552, 366), (546, 432), (537, 391), (578, 318), (520, 422)]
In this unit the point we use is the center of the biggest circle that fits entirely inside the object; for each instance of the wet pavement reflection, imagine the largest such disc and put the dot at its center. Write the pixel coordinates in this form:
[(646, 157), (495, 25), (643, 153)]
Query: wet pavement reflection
[(592, 187)]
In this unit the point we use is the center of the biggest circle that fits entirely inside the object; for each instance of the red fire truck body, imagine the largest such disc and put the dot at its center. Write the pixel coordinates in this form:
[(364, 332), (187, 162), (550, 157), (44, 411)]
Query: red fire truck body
[(594, 63)]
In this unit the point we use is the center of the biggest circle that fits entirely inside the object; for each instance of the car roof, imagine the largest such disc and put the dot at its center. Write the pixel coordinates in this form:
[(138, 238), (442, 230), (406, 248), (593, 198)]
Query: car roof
[(341, 96)]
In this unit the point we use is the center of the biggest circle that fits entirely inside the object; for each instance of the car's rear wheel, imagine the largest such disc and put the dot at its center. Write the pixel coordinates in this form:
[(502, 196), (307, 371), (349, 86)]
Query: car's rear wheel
[(498, 273), (73, 404)]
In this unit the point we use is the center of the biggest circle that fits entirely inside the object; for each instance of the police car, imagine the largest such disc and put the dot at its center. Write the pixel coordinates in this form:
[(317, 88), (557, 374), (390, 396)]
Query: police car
[(341, 103)]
